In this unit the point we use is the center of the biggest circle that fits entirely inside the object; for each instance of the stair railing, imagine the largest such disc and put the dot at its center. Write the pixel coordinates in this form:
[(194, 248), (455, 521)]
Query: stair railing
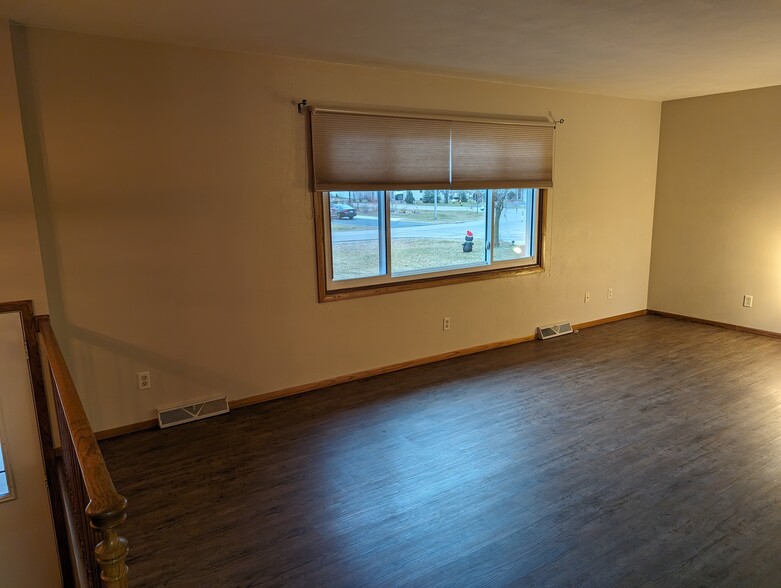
[(93, 508)]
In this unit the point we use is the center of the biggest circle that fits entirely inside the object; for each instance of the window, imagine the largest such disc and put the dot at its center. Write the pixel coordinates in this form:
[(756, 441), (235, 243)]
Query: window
[(406, 202), (5, 490), (381, 237), (6, 487)]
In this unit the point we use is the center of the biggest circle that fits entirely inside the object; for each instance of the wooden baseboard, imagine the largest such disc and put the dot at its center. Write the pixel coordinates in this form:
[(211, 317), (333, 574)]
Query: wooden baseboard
[(126, 429), (294, 390), (375, 372), (729, 326), (610, 319), (412, 363)]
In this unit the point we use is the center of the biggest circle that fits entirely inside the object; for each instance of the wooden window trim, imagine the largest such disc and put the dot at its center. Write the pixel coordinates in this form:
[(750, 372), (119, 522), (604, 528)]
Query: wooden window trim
[(325, 295)]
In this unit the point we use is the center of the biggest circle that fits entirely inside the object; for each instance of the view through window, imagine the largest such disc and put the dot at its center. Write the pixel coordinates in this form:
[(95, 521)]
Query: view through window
[(5, 490), (3, 477), (383, 237)]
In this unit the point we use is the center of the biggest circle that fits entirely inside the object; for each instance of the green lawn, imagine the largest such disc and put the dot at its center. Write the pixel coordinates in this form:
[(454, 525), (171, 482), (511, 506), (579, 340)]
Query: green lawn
[(337, 227), (445, 214), (360, 259)]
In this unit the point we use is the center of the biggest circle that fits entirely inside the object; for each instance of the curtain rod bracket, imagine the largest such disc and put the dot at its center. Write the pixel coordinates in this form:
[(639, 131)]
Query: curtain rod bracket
[(301, 105)]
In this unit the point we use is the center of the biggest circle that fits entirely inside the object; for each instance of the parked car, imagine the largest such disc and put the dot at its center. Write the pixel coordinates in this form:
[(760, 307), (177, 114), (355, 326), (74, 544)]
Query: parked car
[(342, 211)]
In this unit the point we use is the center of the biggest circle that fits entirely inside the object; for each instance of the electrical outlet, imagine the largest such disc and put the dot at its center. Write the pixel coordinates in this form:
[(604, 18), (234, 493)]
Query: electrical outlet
[(610, 293), (446, 323), (748, 300), (144, 380), (587, 298)]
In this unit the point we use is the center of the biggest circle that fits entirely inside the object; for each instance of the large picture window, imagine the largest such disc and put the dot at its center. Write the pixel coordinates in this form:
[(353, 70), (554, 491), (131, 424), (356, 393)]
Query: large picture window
[(406, 202)]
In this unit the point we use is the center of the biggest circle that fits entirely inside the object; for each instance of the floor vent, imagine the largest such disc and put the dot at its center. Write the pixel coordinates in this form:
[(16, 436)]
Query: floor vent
[(178, 415), (557, 330)]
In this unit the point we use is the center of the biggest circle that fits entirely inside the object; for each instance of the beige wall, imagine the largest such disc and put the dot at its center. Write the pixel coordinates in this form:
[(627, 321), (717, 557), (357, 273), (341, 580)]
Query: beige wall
[(27, 534), (717, 234), (21, 273), (177, 184), (28, 553)]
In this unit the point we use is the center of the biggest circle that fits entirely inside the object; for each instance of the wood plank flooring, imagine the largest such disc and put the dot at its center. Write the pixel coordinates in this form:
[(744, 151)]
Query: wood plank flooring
[(639, 453)]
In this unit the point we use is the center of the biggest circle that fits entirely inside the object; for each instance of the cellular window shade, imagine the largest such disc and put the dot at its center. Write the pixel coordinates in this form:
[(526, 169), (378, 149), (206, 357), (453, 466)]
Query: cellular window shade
[(356, 151), (495, 155)]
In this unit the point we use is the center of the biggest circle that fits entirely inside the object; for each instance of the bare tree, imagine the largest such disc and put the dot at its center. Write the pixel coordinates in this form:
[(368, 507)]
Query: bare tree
[(500, 197)]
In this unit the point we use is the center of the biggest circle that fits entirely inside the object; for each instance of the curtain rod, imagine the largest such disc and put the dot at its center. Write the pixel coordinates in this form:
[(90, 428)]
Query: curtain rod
[(304, 105)]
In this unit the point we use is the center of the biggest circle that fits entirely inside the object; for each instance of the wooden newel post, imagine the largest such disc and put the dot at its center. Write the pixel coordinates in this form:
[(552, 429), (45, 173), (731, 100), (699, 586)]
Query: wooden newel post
[(111, 551)]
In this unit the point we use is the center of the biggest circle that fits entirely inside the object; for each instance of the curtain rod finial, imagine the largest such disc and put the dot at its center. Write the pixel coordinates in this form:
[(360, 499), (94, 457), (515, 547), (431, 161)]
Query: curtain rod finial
[(559, 121)]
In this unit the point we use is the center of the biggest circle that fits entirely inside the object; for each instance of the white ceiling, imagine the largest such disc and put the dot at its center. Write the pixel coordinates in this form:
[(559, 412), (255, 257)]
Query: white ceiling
[(651, 49)]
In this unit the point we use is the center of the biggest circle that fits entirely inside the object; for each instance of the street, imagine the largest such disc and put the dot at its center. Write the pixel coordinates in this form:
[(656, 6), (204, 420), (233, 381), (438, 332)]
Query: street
[(512, 228)]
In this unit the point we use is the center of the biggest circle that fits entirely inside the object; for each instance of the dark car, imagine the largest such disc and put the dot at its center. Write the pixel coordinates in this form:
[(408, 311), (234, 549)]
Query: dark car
[(342, 211)]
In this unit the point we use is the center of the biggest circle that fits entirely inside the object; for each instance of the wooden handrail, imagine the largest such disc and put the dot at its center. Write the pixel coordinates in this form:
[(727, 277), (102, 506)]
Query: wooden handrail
[(106, 507)]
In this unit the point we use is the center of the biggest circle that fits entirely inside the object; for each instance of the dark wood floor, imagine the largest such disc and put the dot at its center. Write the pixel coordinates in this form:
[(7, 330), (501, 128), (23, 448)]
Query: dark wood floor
[(645, 452)]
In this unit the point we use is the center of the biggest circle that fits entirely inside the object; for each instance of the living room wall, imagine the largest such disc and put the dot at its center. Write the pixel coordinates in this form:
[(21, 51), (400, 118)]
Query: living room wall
[(718, 206), (21, 272), (179, 233), (26, 521)]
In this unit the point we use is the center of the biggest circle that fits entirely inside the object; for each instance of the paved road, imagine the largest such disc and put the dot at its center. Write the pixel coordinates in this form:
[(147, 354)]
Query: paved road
[(371, 222), (427, 230)]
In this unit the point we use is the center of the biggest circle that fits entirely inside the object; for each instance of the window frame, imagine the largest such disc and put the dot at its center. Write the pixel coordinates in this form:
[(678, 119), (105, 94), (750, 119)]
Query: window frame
[(458, 275), (9, 477)]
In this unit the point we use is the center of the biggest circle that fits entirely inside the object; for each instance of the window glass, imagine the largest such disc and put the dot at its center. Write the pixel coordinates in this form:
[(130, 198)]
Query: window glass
[(356, 221), (434, 230), (513, 234), (4, 491)]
